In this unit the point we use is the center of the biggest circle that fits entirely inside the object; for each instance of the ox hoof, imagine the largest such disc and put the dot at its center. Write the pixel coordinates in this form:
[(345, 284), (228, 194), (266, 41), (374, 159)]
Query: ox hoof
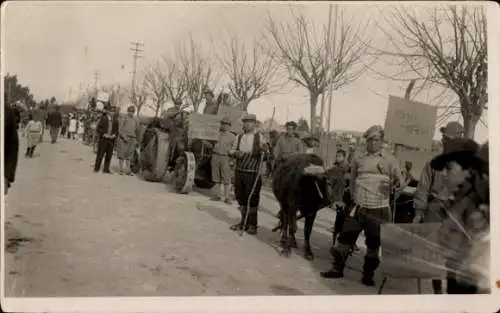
[(285, 252)]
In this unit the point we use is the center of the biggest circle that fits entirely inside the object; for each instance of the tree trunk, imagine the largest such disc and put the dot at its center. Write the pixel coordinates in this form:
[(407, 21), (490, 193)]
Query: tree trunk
[(157, 110), (313, 101), (244, 105), (470, 123)]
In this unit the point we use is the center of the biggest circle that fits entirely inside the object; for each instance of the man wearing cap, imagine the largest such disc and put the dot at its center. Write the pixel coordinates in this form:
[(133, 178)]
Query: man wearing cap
[(107, 130), (466, 221), (287, 145), (249, 150), (373, 175), (127, 140), (311, 143), (221, 167), (431, 192)]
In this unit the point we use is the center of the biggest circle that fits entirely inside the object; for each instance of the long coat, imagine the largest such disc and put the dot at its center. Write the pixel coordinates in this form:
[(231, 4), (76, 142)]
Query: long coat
[(11, 145), (102, 126)]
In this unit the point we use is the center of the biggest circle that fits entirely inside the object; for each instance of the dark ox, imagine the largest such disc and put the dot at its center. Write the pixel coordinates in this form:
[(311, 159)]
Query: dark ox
[(300, 186)]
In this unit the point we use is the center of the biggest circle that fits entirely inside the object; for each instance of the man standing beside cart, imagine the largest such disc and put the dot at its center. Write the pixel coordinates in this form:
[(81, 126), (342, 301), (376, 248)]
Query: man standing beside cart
[(249, 150), (220, 161), (373, 175)]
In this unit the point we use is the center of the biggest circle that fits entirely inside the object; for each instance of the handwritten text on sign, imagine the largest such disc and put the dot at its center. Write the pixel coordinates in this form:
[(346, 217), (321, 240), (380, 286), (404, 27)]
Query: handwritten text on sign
[(204, 126), (412, 251), (410, 123)]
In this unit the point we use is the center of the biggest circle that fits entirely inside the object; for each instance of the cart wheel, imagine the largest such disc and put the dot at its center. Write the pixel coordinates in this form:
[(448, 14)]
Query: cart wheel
[(184, 173)]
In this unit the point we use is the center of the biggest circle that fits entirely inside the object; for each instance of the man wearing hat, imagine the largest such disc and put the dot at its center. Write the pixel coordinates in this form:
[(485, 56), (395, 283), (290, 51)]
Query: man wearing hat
[(107, 131), (127, 140), (249, 150), (431, 192), (311, 143), (221, 167), (373, 175), (466, 221), (287, 144), (211, 106)]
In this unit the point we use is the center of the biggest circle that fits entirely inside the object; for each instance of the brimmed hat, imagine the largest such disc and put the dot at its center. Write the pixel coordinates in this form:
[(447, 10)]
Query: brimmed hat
[(373, 131), (249, 117), (291, 124), (452, 129), (463, 151), (225, 120), (131, 109), (309, 136)]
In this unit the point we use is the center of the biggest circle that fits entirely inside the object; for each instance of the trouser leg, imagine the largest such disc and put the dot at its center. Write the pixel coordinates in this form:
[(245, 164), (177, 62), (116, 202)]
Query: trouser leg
[(371, 219), (108, 155), (99, 155)]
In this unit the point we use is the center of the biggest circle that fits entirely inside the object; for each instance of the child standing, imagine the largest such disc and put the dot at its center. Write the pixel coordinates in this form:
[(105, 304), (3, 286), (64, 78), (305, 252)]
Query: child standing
[(81, 129), (33, 133), (72, 126)]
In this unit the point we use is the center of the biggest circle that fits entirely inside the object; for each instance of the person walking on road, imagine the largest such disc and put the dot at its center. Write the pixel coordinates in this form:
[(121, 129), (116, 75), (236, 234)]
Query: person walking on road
[(373, 175), (221, 167), (80, 129), (127, 140), (10, 147), (107, 130), (33, 132), (54, 122), (248, 151), (431, 193), (73, 123), (64, 125)]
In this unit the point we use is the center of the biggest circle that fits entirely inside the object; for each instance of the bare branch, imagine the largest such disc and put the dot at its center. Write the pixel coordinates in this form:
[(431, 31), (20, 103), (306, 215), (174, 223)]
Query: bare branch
[(318, 62), (445, 46)]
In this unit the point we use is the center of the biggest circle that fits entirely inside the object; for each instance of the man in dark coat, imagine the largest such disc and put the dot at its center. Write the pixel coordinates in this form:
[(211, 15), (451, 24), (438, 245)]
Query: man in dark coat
[(11, 147), (107, 131), (248, 150), (54, 122)]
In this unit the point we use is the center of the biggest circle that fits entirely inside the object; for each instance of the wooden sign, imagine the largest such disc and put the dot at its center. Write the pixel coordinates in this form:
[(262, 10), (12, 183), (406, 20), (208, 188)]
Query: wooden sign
[(412, 251), (203, 126), (410, 123), (234, 115)]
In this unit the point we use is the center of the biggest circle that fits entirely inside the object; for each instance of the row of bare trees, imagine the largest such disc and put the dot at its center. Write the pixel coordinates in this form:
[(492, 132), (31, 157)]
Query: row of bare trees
[(444, 46)]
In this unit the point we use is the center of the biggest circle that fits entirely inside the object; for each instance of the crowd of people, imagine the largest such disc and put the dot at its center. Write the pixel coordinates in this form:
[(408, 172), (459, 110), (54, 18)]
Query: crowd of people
[(453, 188)]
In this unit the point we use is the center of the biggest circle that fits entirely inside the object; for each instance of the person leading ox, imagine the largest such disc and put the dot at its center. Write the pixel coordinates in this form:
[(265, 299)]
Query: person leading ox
[(373, 175), (248, 150)]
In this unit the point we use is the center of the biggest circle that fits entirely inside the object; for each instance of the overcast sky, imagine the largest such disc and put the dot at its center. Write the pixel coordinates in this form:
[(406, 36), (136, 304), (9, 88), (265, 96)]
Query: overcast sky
[(53, 47)]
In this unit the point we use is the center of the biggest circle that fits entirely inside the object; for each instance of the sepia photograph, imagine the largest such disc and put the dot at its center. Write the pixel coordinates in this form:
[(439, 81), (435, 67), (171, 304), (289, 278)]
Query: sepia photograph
[(247, 149)]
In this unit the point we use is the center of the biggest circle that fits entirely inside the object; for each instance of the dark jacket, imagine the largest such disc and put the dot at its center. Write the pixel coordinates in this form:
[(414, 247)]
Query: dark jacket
[(102, 126), (54, 119), (11, 144)]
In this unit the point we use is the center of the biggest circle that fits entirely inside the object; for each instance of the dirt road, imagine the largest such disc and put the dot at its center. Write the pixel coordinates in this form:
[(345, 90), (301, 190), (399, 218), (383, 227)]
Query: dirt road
[(76, 233)]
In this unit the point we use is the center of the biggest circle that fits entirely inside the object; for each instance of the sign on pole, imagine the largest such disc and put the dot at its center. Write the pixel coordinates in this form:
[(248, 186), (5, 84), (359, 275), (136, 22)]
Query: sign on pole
[(410, 123), (203, 126), (412, 251)]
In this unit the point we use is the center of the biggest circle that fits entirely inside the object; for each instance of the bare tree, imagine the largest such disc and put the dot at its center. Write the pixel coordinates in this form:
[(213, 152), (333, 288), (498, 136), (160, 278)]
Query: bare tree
[(174, 79), (318, 62), (442, 47), (155, 80), (250, 70), (197, 73), (140, 96)]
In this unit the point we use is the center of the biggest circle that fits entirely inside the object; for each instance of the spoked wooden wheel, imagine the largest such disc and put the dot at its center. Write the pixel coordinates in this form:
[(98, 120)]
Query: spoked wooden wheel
[(184, 172)]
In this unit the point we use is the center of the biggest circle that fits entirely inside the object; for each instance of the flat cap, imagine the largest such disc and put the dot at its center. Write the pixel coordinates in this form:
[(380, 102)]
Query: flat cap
[(249, 117), (225, 120), (373, 131), (291, 124), (309, 136)]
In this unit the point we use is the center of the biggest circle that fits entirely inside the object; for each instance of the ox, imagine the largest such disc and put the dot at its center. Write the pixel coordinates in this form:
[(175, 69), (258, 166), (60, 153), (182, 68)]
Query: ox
[(301, 186)]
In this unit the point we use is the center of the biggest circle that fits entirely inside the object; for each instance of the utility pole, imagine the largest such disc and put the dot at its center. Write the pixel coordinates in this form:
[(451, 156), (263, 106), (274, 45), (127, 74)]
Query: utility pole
[(136, 49), (96, 79)]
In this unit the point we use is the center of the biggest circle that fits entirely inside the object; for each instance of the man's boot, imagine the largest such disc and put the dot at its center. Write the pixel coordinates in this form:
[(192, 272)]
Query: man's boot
[(369, 267), (239, 225), (252, 222), (339, 259)]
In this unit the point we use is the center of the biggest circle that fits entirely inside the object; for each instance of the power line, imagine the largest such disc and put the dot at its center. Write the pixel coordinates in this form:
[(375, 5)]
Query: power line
[(136, 55)]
